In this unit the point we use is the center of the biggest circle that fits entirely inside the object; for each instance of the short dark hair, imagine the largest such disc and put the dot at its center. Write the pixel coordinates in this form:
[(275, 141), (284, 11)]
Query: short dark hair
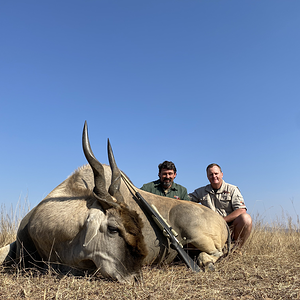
[(213, 165), (168, 165)]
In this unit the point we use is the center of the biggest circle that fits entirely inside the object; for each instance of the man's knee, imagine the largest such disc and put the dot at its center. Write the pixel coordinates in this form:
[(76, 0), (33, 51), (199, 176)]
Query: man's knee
[(243, 220), (247, 220), (242, 228)]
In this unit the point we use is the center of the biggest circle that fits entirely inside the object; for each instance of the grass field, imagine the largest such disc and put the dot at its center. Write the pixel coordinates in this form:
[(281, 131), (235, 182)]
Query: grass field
[(268, 268)]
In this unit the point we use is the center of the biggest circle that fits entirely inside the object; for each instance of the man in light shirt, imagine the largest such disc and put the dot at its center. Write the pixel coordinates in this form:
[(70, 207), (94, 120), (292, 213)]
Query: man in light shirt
[(227, 200)]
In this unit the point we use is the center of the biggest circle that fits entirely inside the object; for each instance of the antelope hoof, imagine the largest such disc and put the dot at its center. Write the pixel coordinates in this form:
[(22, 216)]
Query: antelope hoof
[(210, 267)]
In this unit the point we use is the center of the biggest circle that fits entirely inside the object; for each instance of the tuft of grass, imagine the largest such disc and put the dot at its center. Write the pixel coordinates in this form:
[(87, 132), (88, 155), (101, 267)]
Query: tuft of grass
[(10, 220), (267, 268)]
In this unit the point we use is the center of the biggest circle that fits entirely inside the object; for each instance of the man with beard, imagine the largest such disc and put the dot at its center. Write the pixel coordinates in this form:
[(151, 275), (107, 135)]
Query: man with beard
[(227, 200), (165, 185)]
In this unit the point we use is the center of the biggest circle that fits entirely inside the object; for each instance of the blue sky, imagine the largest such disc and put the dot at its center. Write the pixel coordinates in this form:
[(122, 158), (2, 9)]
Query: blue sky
[(193, 82)]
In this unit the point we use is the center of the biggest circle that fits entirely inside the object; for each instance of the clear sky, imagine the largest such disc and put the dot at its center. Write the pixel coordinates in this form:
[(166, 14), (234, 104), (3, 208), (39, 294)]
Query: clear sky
[(193, 82)]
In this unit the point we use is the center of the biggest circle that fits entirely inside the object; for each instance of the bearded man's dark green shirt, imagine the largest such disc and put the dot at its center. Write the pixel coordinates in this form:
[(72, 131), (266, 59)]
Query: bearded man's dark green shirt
[(176, 191)]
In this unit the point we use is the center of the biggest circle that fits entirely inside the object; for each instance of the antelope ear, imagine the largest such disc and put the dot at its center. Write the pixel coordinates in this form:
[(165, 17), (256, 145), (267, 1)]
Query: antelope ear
[(92, 225)]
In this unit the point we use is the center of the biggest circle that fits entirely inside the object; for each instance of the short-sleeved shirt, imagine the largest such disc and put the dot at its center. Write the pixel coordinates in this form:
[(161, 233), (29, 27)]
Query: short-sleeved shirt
[(176, 191), (224, 201)]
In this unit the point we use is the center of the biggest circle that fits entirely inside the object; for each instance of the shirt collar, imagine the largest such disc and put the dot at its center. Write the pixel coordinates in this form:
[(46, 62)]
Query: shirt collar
[(210, 189)]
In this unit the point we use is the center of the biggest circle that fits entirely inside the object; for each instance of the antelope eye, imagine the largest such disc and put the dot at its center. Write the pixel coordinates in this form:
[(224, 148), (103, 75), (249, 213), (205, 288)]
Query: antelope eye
[(112, 229)]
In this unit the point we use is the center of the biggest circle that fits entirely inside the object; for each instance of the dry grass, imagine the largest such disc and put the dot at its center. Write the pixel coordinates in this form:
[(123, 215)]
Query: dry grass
[(269, 268)]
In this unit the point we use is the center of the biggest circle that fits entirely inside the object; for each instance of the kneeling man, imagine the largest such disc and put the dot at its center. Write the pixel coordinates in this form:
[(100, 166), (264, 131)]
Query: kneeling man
[(225, 199), (165, 185)]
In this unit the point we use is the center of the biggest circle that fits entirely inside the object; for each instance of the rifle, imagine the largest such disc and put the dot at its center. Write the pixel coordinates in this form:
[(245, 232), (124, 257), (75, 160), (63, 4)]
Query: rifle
[(167, 230)]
